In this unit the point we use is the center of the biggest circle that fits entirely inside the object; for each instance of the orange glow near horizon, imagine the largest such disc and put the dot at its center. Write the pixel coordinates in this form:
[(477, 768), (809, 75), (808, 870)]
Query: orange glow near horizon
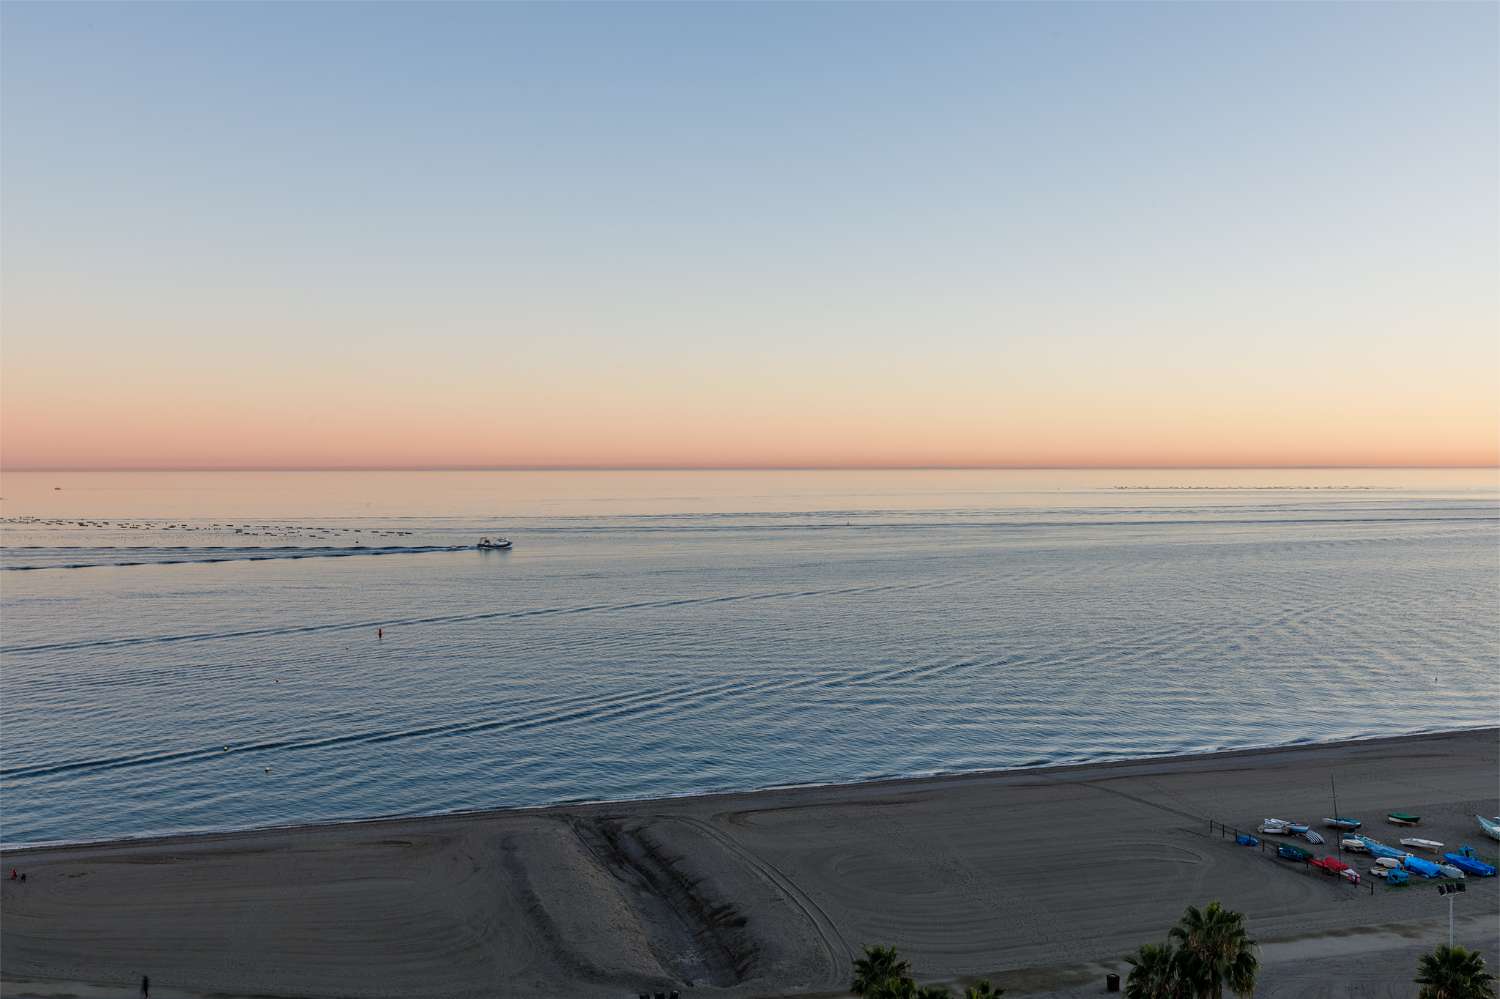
[(969, 235), (719, 426)]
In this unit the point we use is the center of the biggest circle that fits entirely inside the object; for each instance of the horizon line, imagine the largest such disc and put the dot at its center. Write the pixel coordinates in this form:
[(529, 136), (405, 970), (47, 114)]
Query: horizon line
[(736, 468)]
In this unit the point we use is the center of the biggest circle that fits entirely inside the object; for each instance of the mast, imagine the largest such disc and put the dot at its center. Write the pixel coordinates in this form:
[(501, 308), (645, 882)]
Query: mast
[(1332, 787)]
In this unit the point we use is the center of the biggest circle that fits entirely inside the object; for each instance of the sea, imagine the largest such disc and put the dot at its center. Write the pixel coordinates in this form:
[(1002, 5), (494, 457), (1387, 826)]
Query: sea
[(196, 651)]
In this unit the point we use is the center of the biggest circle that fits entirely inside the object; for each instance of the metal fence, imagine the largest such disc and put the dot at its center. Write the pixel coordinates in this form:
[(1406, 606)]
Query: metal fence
[(1225, 831)]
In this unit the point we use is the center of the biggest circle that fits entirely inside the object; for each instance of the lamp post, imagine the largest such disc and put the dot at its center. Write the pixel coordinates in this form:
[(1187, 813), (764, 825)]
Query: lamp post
[(1450, 891)]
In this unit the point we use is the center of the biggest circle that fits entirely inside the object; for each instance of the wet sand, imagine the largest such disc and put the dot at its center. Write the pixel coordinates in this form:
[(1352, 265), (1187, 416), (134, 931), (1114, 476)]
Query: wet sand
[(1040, 880)]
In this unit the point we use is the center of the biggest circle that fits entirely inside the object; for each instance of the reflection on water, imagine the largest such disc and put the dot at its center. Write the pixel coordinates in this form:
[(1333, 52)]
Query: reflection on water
[(199, 650)]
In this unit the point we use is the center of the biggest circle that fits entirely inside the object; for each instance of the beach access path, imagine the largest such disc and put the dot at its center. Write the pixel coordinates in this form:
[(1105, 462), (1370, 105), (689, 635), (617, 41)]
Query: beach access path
[(1041, 880)]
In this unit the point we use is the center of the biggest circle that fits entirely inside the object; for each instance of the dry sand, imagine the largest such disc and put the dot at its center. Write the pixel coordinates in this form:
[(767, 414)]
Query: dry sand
[(1040, 880)]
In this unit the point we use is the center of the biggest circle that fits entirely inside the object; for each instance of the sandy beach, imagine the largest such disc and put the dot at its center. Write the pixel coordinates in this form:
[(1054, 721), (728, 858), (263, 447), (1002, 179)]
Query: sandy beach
[(1040, 880)]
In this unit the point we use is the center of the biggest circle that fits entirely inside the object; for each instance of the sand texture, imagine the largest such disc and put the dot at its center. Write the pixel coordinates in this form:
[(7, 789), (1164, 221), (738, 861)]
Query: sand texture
[(1040, 880)]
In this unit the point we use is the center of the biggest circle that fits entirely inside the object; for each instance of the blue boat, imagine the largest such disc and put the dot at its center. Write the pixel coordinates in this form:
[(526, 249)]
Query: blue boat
[(1397, 878), (1379, 849), (1244, 839), (1296, 828), (1469, 865), (1426, 868), (1348, 825)]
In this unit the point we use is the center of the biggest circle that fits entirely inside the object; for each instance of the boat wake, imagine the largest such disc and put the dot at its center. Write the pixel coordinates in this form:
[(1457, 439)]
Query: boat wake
[(96, 557)]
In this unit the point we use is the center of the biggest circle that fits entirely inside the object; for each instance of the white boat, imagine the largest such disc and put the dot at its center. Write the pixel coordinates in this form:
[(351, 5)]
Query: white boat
[(1389, 863), (1431, 845), (1380, 872), (1274, 827), (1491, 827), (494, 545), (1449, 871), (1349, 874), (1352, 845)]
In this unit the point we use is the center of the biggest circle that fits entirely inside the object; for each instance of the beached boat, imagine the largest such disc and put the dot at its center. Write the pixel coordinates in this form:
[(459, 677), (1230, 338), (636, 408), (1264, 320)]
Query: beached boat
[(1245, 839), (1352, 844), (1430, 845), (1297, 828), (1312, 836), (1287, 851), (1329, 865), (1348, 825), (1451, 871), (1273, 827), (1470, 865), (1397, 877), (1389, 863), (494, 545), (1426, 868), (1350, 874), (1379, 849), (1402, 818), (1491, 827)]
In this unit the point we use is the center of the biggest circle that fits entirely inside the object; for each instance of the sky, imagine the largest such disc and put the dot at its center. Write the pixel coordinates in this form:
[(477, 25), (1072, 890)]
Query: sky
[(735, 234)]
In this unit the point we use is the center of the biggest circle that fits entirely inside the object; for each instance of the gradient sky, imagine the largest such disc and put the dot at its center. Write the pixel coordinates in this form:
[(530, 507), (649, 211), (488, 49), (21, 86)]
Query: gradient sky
[(733, 234)]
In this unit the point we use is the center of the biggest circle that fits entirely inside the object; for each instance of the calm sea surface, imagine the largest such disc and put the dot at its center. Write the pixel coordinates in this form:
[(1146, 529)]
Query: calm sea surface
[(190, 651)]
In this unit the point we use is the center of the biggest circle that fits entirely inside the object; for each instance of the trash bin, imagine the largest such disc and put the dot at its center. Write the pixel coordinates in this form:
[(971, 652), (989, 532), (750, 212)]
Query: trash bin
[(1111, 983)]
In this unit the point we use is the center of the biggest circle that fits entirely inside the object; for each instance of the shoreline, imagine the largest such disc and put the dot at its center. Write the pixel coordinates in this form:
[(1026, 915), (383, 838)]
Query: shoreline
[(186, 835), (1040, 879)]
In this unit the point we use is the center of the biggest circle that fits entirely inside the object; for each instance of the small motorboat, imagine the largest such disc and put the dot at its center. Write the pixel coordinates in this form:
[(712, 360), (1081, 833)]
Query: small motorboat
[(1451, 871), (1350, 874), (1470, 865), (1313, 836), (1245, 839), (1491, 827), (1397, 877), (1297, 828), (1274, 827), (1389, 863), (1402, 818), (1287, 851), (1381, 872), (1348, 825), (1430, 845), (1352, 845), (494, 545)]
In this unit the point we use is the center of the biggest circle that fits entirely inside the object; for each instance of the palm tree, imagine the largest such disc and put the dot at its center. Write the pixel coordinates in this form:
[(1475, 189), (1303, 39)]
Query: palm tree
[(982, 989), (1154, 973), (893, 988), (1454, 973), (879, 966), (1214, 952), (905, 988)]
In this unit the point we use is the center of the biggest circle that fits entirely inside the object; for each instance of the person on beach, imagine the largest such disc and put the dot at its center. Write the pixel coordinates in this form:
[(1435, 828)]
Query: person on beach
[(145, 987)]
